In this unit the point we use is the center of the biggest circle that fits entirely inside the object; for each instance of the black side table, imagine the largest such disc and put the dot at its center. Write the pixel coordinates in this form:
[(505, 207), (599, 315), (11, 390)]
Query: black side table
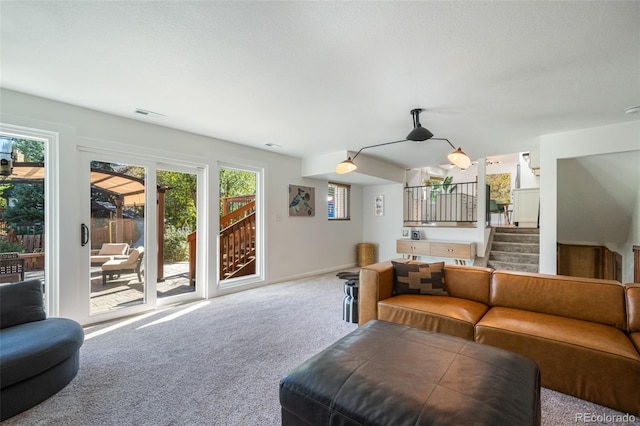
[(350, 302)]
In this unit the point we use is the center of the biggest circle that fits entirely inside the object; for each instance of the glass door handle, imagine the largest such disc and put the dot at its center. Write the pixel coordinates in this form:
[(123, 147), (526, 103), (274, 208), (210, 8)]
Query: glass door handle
[(84, 235)]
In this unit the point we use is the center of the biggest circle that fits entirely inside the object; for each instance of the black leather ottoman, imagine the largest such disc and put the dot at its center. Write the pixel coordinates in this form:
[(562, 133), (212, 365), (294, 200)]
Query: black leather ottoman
[(389, 374)]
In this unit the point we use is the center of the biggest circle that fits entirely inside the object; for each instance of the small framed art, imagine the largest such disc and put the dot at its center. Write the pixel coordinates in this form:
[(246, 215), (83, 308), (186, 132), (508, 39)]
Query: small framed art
[(302, 200), (379, 205)]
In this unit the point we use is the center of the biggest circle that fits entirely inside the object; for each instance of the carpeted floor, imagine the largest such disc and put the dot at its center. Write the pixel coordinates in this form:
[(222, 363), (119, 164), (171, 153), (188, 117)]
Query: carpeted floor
[(218, 362)]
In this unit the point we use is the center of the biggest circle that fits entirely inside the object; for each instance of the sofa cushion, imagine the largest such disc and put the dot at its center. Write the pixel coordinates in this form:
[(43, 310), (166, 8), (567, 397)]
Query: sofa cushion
[(418, 278), (21, 302), (571, 297), (448, 315), (635, 339), (579, 358), (31, 348), (468, 282)]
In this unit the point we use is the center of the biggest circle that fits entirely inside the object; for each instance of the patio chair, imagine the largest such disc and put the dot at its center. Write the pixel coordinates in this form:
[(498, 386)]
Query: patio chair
[(11, 267), (133, 263), (109, 251)]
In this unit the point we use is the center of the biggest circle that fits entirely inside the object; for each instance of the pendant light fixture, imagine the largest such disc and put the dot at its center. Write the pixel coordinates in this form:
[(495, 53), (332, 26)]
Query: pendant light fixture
[(418, 134)]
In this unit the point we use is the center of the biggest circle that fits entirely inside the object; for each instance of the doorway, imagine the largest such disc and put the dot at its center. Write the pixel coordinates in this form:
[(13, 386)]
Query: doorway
[(140, 223), (177, 221), (116, 234)]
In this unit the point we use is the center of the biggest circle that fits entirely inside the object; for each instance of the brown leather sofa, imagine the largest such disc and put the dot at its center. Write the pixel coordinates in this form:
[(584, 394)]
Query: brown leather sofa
[(584, 334)]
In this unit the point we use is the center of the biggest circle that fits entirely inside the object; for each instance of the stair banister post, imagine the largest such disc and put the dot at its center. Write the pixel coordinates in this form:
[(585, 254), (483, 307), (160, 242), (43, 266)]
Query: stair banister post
[(481, 220)]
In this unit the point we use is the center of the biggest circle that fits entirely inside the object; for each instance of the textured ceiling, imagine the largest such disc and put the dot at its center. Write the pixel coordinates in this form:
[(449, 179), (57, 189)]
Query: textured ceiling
[(319, 77)]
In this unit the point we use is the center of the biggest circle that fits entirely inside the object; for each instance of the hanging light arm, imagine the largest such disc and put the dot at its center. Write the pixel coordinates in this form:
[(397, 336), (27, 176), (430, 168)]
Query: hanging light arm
[(444, 139), (374, 146), (418, 134)]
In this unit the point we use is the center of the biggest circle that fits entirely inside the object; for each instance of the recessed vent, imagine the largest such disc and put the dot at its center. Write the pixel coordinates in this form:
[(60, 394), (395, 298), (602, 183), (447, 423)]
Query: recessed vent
[(146, 113)]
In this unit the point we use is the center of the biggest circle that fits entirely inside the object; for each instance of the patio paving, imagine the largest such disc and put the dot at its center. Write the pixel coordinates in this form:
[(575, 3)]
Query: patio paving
[(125, 290)]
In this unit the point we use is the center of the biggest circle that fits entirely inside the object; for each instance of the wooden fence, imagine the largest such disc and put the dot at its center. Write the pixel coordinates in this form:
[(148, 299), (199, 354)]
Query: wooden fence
[(101, 233)]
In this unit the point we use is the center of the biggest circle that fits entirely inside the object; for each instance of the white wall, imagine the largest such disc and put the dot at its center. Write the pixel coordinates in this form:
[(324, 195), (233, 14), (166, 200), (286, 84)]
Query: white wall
[(527, 178), (634, 240), (383, 231), (598, 140), (295, 246)]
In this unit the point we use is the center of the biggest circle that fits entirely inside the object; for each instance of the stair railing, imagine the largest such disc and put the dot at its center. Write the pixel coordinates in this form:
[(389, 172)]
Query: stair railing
[(438, 202), (238, 214), (237, 246)]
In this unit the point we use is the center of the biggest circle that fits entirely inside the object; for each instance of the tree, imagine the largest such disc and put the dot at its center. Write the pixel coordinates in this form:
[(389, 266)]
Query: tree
[(236, 182), (180, 198), (28, 205), (33, 150)]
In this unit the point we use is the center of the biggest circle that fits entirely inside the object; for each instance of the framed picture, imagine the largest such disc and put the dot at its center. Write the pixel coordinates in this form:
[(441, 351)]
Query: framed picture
[(379, 205), (406, 232), (302, 200), (500, 186)]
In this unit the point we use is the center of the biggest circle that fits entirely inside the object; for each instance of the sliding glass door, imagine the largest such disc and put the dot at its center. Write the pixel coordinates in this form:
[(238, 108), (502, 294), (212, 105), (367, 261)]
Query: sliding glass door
[(177, 237), (115, 233), (140, 228)]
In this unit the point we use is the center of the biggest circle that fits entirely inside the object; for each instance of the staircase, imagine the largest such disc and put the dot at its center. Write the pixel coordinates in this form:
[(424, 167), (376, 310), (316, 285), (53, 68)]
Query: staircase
[(238, 242), (515, 249)]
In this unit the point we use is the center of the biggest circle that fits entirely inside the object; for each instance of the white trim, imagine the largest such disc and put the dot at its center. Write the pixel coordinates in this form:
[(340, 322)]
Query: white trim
[(202, 220), (259, 278), (51, 209), (152, 164), (86, 155), (177, 158)]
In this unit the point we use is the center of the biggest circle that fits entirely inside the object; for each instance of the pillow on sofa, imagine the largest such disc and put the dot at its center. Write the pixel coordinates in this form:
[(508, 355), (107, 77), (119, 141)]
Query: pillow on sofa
[(418, 278), (21, 302)]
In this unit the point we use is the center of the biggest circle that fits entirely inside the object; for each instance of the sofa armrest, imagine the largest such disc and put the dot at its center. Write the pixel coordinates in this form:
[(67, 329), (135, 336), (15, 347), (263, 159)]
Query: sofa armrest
[(633, 307), (21, 302), (376, 283)]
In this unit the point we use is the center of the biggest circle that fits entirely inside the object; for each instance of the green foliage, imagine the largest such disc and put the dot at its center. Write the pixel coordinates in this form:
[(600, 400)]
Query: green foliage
[(438, 187), (180, 198), (176, 248), (9, 247), (234, 183), (33, 150), (28, 206), (3, 200)]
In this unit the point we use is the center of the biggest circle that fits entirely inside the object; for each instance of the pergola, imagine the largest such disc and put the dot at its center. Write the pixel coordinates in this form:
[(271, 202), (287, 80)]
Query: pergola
[(127, 190)]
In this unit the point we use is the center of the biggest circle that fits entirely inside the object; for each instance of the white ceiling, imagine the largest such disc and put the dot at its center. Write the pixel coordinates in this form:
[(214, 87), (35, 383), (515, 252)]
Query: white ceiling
[(320, 77)]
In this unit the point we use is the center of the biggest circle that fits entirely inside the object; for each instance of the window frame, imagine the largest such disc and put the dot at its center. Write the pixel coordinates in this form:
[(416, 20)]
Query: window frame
[(347, 200)]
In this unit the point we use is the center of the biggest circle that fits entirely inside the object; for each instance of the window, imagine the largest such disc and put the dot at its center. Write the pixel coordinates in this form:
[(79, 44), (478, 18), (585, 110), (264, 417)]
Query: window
[(339, 201)]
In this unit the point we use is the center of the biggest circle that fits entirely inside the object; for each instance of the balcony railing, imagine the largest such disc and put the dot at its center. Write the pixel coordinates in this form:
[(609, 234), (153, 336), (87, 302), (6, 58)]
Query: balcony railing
[(452, 203)]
